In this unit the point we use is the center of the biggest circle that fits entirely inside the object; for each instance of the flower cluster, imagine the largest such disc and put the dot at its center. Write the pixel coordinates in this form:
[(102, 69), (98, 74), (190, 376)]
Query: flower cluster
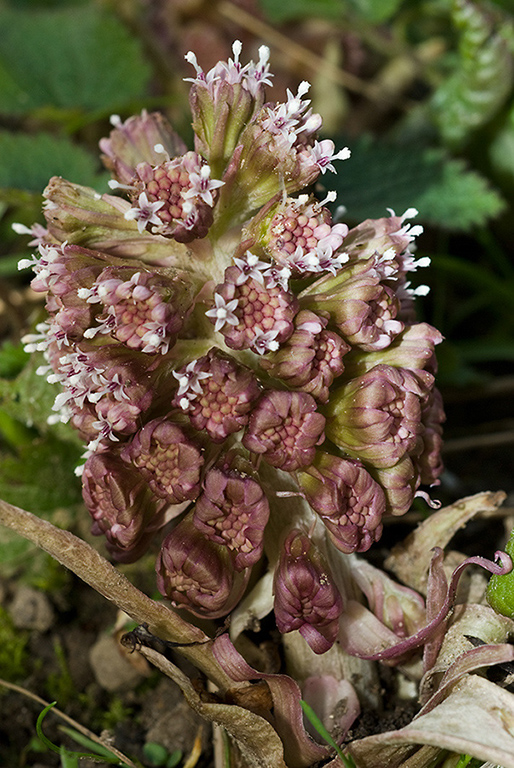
[(222, 343)]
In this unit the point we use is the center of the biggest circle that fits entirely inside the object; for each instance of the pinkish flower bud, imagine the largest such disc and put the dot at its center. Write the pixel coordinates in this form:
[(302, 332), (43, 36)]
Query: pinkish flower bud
[(377, 417), (412, 349), (167, 459), (348, 500), (251, 313), (298, 234), (121, 505), (399, 483), (223, 101), (142, 309), (285, 428), (363, 309), (175, 197), (305, 597), (217, 394), (311, 358), (135, 140), (198, 574), (233, 511)]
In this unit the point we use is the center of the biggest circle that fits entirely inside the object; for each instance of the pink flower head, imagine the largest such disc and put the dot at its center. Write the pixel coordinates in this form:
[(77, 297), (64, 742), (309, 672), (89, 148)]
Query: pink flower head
[(196, 573), (311, 358), (249, 307), (306, 599), (233, 511), (167, 459), (217, 393), (348, 500), (377, 417), (121, 505), (175, 197), (298, 234), (285, 428), (141, 309)]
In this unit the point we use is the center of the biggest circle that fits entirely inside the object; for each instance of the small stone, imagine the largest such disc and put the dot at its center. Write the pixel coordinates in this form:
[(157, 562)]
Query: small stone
[(111, 670), (31, 609)]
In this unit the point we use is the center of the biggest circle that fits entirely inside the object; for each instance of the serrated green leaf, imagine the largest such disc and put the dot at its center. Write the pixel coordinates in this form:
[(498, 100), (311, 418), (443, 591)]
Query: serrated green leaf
[(287, 10), (461, 200), (28, 161), (381, 175), (80, 57), (483, 75)]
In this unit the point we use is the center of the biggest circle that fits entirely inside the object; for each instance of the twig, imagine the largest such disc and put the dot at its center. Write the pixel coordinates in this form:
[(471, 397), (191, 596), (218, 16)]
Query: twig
[(76, 725), (299, 53)]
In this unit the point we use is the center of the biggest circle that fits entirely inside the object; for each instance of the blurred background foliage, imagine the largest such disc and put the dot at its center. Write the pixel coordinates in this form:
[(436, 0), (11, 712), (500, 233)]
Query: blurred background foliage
[(421, 90)]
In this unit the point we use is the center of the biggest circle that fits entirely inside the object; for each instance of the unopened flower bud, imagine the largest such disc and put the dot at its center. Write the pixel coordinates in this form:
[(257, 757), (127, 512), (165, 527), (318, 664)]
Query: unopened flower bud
[(306, 599), (233, 511), (167, 459), (311, 358), (79, 215), (198, 574), (141, 138), (377, 417), (348, 500), (285, 428), (360, 305), (121, 505)]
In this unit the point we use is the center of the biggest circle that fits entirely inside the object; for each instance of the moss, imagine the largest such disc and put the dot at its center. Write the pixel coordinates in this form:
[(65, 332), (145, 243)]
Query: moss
[(13, 649)]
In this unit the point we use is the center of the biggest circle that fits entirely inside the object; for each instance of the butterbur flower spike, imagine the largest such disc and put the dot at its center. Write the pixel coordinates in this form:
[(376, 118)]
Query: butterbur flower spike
[(221, 343)]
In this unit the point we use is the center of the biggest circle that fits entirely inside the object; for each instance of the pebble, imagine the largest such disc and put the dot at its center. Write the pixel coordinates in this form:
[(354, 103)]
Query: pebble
[(111, 670), (31, 609)]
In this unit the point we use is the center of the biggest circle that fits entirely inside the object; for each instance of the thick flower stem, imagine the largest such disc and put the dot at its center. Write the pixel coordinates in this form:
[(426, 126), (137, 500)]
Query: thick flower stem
[(92, 568)]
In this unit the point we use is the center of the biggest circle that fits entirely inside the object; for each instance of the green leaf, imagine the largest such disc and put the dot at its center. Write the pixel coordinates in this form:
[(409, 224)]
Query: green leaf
[(287, 10), (68, 57), (483, 75), (462, 199), (28, 161), (40, 476), (311, 715), (383, 174)]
